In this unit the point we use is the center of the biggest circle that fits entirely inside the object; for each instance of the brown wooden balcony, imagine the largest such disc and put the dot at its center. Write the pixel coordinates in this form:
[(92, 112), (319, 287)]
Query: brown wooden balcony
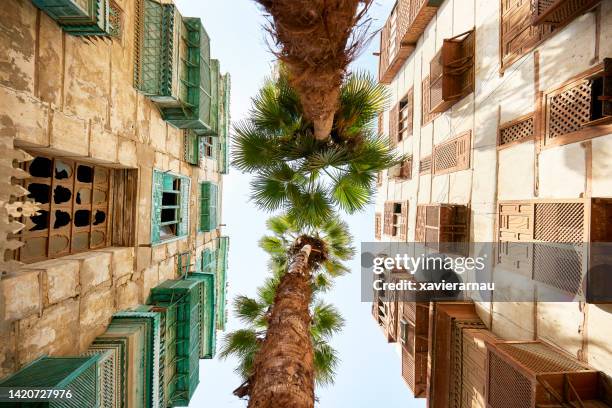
[(399, 36)]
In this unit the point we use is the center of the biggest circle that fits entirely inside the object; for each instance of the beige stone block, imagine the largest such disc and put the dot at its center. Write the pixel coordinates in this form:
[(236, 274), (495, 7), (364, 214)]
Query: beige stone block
[(69, 135), (60, 279), (150, 279), (167, 269), (18, 45), (87, 79), (103, 144), (56, 332), (95, 268), (158, 132), (598, 329), (143, 258), (122, 262), (24, 118), (96, 311), (127, 153), (172, 248), (174, 142), (602, 167), (20, 294), (128, 295), (174, 165), (50, 61), (143, 125), (161, 161), (159, 253)]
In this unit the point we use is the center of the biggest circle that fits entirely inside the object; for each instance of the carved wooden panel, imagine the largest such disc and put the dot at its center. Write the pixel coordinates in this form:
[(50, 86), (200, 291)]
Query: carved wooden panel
[(378, 226), (453, 155), (557, 12), (393, 130), (388, 218), (75, 205), (425, 165), (403, 230), (426, 114), (405, 114), (515, 131)]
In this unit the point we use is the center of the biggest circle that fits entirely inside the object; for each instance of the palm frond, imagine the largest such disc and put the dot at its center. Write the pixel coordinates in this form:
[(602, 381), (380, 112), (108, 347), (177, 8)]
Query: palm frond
[(326, 362), (253, 150), (326, 321), (249, 310), (272, 245)]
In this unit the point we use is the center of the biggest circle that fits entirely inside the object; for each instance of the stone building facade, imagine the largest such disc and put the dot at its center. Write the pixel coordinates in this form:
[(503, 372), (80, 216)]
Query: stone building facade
[(113, 135), (503, 111)]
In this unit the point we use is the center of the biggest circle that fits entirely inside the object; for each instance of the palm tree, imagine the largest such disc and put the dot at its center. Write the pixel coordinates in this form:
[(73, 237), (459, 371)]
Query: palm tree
[(305, 177), (317, 39), (285, 348)]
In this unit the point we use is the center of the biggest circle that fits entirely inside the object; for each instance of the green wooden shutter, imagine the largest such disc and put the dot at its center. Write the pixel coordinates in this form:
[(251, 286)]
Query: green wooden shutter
[(183, 227), (209, 261), (79, 17), (208, 206), (191, 147), (156, 200)]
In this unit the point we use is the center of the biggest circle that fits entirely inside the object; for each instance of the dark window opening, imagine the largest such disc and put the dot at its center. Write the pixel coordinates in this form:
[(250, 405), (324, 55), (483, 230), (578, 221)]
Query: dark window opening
[(99, 217), (62, 218), (81, 218), (84, 174), (40, 167), (39, 192), (61, 195)]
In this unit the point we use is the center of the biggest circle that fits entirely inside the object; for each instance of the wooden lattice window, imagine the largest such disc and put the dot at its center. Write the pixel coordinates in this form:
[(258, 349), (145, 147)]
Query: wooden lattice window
[(451, 72), (396, 219), (405, 114), (378, 226), (581, 108), (393, 129), (208, 146), (170, 206), (380, 126), (442, 226), (453, 155), (379, 178), (426, 114), (425, 165), (518, 35), (558, 12), (516, 131), (77, 203)]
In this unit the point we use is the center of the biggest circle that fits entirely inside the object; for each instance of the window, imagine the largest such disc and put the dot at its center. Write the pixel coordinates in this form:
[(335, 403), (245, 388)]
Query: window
[(377, 226), (208, 207), (379, 178), (380, 126), (78, 17), (191, 147), (425, 165), (393, 130), (443, 227), (75, 201), (403, 170), (115, 23), (581, 108), (208, 261), (404, 119), (407, 336), (183, 263), (525, 24), (453, 155), (396, 219), (170, 206), (516, 131), (426, 114), (451, 72), (208, 146)]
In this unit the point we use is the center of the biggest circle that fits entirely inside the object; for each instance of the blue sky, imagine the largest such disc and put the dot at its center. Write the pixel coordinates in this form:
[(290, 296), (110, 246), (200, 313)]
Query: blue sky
[(369, 374)]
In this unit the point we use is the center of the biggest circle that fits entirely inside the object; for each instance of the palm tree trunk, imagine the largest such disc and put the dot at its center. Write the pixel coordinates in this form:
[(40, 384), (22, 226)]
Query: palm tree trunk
[(284, 366)]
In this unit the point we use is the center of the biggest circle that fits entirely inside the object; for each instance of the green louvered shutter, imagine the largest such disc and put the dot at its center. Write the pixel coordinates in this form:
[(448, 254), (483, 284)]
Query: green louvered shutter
[(79, 17), (209, 261), (183, 227), (157, 186), (208, 206)]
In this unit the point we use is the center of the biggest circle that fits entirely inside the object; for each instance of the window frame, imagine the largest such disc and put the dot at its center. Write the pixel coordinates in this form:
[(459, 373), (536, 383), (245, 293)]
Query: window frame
[(160, 186), (589, 130), (206, 189)]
